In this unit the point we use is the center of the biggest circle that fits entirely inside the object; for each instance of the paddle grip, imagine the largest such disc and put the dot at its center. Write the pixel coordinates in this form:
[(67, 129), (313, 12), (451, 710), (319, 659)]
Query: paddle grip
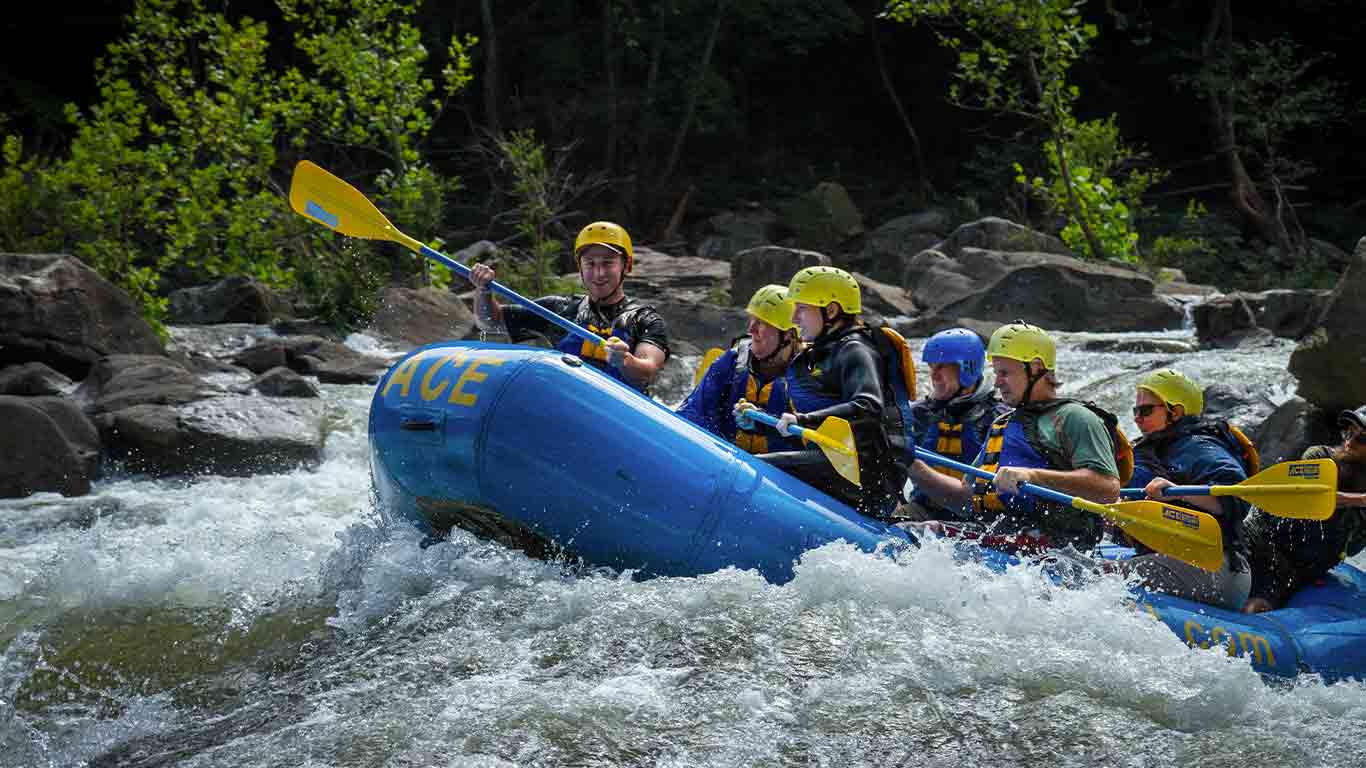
[(1171, 490), (930, 457), (528, 304), (772, 421)]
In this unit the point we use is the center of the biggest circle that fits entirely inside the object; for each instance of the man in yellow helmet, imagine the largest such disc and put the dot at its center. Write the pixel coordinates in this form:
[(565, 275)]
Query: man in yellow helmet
[(1058, 443), (752, 370), (637, 341), (1287, 554), (846, 371), (1180, 446)]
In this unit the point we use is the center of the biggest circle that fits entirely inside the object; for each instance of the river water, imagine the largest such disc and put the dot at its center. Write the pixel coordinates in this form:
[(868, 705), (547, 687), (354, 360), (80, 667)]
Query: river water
[(275, 621)]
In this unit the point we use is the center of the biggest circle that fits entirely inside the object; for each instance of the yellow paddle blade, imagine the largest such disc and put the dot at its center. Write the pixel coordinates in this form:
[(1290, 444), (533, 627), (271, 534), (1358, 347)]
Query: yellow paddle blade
[(705, 363), (318, 195), (836, 440), (1304, 490), (1186, 534)]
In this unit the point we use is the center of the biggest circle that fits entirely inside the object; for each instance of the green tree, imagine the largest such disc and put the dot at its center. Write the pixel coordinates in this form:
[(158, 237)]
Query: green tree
[(1016, 59), (183, 162)]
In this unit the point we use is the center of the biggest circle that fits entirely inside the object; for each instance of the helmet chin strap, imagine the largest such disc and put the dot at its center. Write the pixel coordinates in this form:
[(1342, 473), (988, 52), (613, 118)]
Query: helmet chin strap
[(786, 343), (1032, 379)]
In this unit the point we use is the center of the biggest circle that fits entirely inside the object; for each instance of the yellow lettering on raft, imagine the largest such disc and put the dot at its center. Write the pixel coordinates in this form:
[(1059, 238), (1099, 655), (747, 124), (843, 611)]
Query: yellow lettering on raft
[(429, 393), (1217, 634), (471, 375), (403, 377), (1191, 628), (1259, 646)]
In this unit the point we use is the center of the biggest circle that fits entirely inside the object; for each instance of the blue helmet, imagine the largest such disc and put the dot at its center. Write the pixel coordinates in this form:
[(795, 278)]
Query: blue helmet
[(961, 346)]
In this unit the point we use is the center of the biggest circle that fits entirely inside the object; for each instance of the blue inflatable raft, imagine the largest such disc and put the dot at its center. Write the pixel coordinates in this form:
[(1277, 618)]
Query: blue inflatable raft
[(535, 449)]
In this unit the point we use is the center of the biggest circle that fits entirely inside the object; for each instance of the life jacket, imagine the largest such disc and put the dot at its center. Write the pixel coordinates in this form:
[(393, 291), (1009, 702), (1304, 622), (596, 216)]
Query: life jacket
[(898, 375), (956, 428), (1231, 437), (1014, 441), (595, 354), (771, 397)]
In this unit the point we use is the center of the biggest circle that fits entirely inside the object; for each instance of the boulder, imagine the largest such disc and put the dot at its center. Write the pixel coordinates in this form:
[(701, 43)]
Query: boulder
[(1055, 292), (1294, 426), (236, 299), (1223, 321), (313, 356), (411, 317), (1330, 363), (232, 435), (117, 382), (1000, 235), (824, 217), (889, 248), (730, 232), (282, 382), (30, 379), (57, 311), (768, 264), (47, 444)]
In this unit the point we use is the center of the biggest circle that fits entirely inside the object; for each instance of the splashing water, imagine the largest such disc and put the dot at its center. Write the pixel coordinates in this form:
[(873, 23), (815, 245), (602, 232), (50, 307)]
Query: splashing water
[(275, 621)]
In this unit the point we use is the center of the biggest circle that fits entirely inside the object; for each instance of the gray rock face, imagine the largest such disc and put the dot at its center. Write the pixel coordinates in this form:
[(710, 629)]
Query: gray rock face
[(1330, 363), (313, 356), (282, 382), (123, 381), (413, 317), (1294, 426), (232, 435), (46, 444), (768, 264), (57, 311), (1055, 292), (236, 299), (31, 379), (1223, 321)]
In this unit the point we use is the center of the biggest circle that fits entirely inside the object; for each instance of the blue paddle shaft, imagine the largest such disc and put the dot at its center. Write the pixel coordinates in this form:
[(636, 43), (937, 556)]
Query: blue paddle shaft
[(1173, 490), (771, 420), (537, 309), (930, 457)]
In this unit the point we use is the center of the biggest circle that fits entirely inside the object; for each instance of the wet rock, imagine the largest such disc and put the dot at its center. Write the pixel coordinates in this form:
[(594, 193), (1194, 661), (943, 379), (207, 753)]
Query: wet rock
[(768, 264), (236, 299), (117, 382), (313, 356), (282, 382), (47, 444), (1161, 346), (1330, 363), (409, 317), (232, 435), (1223, 321), (30, 379), (1053, 291), (57, 311), (1294, 426)]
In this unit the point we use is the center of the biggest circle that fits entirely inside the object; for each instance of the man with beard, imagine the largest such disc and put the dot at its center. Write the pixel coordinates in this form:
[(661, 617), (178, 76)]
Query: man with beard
[(1288, 554), (954, 419), (636, 339), (752, 370)]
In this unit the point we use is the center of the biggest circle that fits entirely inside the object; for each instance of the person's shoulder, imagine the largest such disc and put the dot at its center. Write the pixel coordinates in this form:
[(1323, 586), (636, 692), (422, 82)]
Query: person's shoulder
[(1074, 411)]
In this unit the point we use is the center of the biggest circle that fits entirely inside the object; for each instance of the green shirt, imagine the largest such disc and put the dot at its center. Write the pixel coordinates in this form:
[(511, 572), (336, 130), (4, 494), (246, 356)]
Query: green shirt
[(1074, 431)]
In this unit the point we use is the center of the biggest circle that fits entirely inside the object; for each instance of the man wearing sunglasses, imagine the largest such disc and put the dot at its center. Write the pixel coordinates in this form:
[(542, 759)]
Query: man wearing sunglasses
[(1179, 446), (1288, 554)]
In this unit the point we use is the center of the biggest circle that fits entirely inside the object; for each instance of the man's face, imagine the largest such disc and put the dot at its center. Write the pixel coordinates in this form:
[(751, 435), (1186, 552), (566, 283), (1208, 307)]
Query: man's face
[(764, 338), (809, 319), (943, 380), (601, 268), (1011, 380)]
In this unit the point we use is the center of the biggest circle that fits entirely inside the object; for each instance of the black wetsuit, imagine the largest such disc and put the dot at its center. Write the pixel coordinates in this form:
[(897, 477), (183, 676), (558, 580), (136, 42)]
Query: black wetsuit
[(841, 374), (1287, 554)]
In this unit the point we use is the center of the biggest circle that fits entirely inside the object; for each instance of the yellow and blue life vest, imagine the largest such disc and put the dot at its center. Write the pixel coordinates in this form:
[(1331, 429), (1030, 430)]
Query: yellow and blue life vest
[(594, 354), (711, 404)]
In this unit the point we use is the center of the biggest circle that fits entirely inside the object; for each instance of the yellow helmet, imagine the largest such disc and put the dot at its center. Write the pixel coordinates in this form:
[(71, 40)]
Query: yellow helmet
[(770, 304), (1024, 342), (819, 286), (608, 234), (1175, 389)]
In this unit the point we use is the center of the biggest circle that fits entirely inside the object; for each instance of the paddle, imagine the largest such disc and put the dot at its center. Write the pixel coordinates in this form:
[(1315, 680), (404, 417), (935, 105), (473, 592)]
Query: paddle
[(705, 363), (1303, 490), (1188, 535), (318, 195), (835, 438)]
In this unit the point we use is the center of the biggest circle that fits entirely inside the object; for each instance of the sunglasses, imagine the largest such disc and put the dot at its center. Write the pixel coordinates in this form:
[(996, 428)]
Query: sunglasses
[(1354, 436), (1144, 411)]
